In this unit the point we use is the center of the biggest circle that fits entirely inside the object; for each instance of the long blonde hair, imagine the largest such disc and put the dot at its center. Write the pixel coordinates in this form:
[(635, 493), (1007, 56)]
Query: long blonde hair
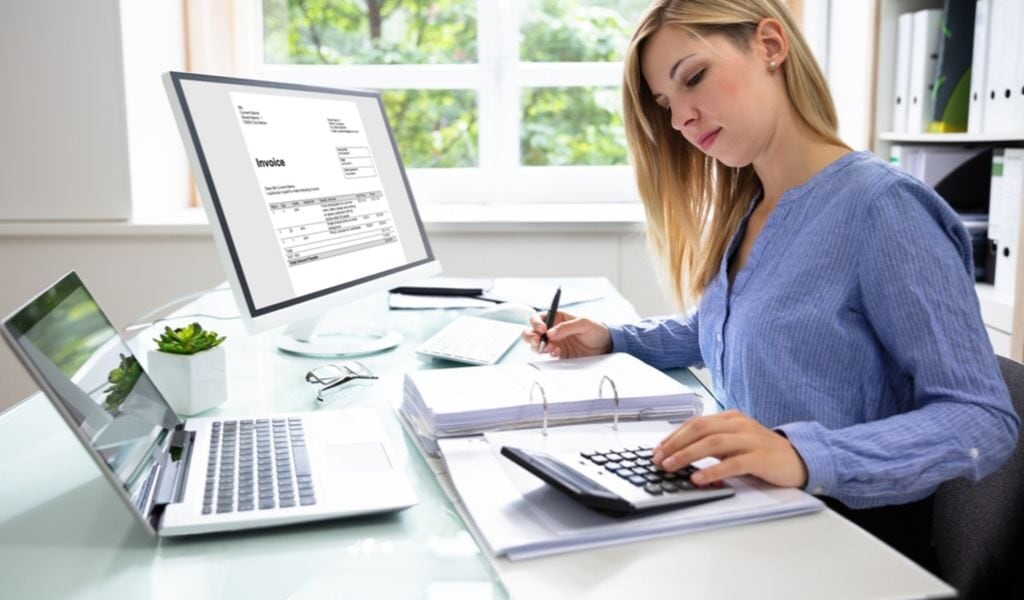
[(694, 203)]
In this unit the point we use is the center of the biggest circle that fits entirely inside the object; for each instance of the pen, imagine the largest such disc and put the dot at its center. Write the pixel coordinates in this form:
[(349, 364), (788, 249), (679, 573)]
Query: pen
[(551, 317)]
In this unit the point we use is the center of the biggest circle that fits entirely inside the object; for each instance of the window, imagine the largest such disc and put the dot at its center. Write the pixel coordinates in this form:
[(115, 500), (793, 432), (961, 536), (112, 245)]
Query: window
[(490, 100)]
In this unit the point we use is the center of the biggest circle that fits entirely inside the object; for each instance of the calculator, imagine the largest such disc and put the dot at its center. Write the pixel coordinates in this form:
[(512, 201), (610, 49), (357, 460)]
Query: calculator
[(617, 482)]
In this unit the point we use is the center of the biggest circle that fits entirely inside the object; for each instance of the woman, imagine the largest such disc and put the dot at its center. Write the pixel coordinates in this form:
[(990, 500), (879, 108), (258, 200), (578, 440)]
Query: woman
[(836, 309)]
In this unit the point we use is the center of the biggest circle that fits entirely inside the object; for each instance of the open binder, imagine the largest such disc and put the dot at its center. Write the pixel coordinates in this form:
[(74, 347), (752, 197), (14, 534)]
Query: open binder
[(518, 516), (446, 403)]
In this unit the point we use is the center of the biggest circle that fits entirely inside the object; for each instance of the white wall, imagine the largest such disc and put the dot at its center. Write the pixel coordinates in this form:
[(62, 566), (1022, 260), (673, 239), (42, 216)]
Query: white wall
[(63, 136)]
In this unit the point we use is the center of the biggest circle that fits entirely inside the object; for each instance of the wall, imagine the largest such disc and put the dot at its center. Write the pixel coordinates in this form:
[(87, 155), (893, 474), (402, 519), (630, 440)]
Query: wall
[(142, 268), (62, 111)]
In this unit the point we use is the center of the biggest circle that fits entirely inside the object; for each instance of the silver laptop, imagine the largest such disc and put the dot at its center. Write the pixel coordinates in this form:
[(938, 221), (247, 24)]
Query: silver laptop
[(203, 474)]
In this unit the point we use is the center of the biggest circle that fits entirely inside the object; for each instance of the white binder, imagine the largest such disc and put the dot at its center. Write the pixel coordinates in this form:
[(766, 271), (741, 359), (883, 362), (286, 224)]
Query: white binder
[(1002, 42), (924, 60), (1017, 89), (1011, 190), (901, 90), (996, 214), (979, 62)]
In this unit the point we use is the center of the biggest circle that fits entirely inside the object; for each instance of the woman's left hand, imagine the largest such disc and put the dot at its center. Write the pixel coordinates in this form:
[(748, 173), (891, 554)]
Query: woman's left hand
[(744, 447)]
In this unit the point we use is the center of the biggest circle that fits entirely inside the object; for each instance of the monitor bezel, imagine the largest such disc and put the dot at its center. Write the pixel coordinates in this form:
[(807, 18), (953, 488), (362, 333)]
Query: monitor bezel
[(307, 306)]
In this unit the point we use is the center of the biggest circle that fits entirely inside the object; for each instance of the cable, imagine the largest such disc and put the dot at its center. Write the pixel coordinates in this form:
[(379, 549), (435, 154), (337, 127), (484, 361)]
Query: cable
[(138, 324)]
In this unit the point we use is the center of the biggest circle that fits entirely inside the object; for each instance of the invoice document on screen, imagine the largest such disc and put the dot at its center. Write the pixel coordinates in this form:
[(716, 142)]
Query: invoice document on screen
[(323, 196)]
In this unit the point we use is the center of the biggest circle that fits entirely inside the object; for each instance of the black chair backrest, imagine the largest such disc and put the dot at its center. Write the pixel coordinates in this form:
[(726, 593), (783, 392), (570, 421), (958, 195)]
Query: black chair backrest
[(978, 527)]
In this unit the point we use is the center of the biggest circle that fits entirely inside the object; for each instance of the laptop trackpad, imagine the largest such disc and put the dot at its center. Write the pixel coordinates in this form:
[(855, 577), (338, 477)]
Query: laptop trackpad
[(357, 458)]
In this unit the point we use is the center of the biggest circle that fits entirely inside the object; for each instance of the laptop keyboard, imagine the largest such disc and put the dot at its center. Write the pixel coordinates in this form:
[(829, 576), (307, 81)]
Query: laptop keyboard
[(473, 340), (257, 464)]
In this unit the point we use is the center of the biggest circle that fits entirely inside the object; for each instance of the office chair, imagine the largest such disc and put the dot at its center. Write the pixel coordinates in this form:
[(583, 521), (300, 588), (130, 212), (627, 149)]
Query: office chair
[(978, 527)]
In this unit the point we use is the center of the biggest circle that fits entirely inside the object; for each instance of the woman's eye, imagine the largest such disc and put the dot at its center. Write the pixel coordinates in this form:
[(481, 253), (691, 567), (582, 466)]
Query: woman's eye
[(692, 81)]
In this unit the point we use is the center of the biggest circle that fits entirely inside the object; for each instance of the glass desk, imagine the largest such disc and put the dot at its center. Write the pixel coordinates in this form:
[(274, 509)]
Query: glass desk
[(65, 534)]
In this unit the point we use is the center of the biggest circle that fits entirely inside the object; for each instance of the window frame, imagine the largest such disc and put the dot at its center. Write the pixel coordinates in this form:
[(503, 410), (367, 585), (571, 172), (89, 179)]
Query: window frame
[(498, 78)]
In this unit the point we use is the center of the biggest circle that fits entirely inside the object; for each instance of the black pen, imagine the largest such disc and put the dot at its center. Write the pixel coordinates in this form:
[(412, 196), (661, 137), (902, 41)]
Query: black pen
[(551, 317)]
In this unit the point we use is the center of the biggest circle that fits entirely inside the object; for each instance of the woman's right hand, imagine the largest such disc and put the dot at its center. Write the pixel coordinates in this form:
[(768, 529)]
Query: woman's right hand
[(569, 337)]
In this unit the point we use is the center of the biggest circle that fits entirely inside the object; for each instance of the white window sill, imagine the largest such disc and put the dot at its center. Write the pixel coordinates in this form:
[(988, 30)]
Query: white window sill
[(442, 218)]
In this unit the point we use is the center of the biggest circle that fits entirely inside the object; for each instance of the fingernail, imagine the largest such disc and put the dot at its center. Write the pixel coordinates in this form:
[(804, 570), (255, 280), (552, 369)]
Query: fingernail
[(698, 477), (670, 464), (657, 456)]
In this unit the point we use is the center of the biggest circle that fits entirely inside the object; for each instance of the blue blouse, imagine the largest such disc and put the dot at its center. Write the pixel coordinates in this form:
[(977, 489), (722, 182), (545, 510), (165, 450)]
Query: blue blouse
[(853, 328)]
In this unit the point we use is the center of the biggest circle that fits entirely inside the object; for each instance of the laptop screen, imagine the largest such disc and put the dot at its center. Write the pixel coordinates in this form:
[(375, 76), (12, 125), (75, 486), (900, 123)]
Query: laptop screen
[(91, 375)]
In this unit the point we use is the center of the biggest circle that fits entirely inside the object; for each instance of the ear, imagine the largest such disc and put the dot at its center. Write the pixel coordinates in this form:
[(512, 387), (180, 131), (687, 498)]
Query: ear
[(771, 42)]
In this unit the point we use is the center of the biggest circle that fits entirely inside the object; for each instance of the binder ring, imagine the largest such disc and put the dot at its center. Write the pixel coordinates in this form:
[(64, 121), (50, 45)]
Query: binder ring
[(615, 392), (544, 398)]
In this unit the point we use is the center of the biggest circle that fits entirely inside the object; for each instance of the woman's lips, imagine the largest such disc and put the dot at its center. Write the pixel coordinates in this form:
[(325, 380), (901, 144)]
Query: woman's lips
[(707, 139)]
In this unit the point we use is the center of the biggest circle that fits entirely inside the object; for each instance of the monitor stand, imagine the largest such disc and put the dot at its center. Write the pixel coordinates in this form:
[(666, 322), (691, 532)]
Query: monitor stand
[(304, 339)]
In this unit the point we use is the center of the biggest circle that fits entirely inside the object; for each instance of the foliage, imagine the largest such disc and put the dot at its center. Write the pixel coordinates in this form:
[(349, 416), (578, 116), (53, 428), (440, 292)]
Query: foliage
[(440, 128), (189, 339), (122, 379)]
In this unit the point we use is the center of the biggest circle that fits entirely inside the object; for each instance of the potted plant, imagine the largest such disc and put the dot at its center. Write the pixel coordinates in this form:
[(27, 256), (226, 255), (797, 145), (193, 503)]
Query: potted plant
[(188, 367)]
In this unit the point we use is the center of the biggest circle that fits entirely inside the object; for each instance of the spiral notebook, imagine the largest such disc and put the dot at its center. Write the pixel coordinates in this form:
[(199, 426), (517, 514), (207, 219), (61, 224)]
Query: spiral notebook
[(445, 403)]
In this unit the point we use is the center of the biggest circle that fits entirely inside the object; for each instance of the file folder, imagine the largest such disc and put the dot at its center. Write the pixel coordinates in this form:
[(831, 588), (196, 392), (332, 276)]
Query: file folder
[(901, 91), (924, 59), (952, 87), (1011, 192), (979, 66), (1001, 47), (465, 401)]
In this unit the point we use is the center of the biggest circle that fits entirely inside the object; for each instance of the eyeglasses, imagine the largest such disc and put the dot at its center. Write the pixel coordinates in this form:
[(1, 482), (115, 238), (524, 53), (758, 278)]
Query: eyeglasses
[(331, 377)]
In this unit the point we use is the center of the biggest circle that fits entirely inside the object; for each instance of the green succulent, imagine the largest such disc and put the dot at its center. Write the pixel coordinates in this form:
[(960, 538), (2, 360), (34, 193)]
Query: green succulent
[(189, 339), (122, 379)]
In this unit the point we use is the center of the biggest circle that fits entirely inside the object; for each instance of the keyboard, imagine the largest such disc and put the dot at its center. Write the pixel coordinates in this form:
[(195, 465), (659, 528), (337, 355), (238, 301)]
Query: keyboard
[(617, 482), (257, 464), (473, 340)]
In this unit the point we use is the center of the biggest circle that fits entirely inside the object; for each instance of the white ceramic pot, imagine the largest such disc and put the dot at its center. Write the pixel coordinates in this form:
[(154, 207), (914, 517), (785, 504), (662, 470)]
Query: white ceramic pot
[(191, 383)]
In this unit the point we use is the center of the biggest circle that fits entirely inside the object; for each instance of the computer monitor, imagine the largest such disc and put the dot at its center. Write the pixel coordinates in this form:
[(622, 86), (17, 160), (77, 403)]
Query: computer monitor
[(308, 201)]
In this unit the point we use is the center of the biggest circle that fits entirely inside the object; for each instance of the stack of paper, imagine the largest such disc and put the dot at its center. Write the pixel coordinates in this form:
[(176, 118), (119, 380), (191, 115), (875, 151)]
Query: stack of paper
[(464, 401), (518, 516)]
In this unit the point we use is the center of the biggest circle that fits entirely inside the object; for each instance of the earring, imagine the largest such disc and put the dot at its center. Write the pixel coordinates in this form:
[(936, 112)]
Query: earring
[(772, 65)]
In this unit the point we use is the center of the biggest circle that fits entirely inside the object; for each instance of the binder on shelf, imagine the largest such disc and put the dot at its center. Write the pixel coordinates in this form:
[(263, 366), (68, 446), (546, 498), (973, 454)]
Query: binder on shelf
[(518, 516), (1000, 56), (924, 59), (1017, 90), (979, 66), (952, 87), (465, 401), (901, 89), (1010, 186)]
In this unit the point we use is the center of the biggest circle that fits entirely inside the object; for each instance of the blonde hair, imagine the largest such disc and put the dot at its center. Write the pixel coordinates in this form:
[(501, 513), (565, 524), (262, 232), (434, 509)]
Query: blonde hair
[(694, 203)]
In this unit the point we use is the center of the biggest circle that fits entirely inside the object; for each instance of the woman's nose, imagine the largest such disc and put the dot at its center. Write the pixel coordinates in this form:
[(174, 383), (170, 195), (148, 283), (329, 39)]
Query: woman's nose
[(683, 117)]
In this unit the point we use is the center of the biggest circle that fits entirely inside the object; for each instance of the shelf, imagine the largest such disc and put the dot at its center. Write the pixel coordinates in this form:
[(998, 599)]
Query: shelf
[(996, 310), (961, 138)]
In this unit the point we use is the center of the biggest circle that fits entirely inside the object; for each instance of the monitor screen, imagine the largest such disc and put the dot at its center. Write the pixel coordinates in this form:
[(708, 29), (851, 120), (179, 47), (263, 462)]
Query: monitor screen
[(305, 190)]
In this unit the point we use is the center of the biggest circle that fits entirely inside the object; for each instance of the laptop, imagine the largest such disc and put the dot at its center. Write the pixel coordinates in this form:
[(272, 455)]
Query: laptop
[(199, 475)]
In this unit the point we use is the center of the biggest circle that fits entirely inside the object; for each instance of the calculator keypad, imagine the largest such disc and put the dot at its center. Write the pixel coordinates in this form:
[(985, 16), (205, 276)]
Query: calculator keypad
[(636, 466)]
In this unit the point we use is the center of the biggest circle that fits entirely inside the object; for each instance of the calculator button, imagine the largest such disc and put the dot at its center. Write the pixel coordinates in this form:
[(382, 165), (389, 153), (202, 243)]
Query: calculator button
[(653, 489)]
